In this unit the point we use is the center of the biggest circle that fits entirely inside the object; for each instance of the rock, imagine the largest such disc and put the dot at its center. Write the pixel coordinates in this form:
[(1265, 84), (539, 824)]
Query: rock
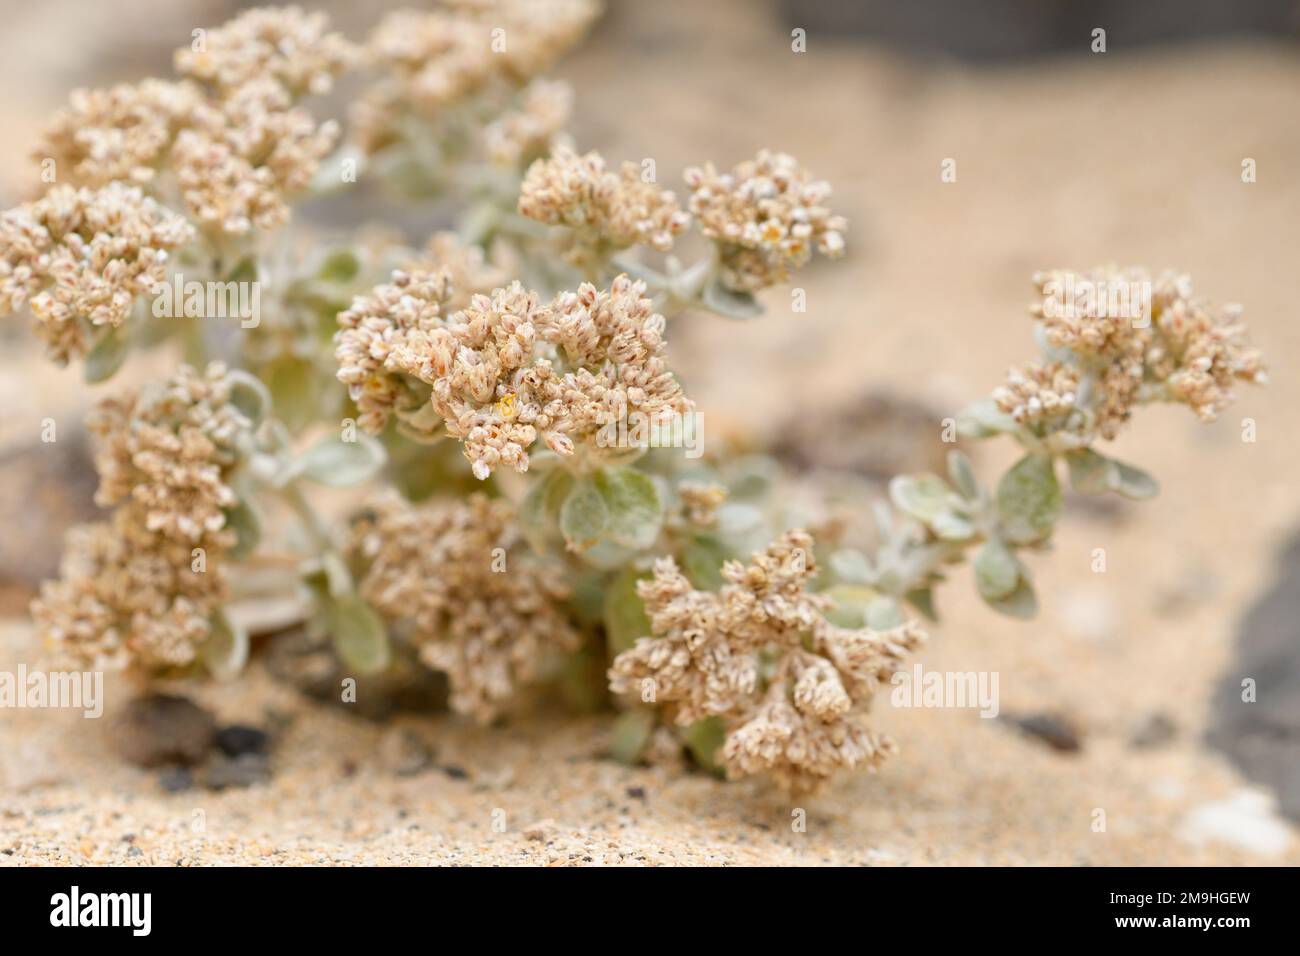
[(1255, 716), (176, 779), (541, 831), (456, 773), (1052, 729), (161, 729), (404, 752), (246, 770), (636, 793), (1155, 730), (239, 739), (312, 667), (1246, 820)]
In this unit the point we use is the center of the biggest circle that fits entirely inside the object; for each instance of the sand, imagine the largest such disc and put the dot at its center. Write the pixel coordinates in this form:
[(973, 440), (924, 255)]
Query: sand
[(1134, 158)]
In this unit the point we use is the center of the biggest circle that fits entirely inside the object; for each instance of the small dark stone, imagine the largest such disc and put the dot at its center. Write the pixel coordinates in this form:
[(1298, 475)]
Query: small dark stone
[(456, 773), (241, 739), (176, 779), (135, 851), (404, 752), (160, 729), (636, 793), (1052, 729), (1156, 730), (246, 770)]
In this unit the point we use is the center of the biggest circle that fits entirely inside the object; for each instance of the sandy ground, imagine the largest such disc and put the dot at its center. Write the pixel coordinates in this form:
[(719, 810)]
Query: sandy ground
[(1127, 158)]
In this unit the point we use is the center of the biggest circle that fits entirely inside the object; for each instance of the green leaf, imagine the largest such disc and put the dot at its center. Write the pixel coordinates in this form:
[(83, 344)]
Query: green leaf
[(225, 651), (103, 361), (704, 739), (850, 566), (631, 736), (1135, 483), (1091, 473), (635, 512), (924, 496), (851, 603), (963, 476), (1021, 603), (339, 266), (716, 297), (584, 515), (984, 419), (293, 387), (249, 395), (923, 600), (539, 514), (338, 463), (997, 571), (702, 560), (952, 526), (246, 521), (625, 618), (359, 635), (884, 613), (1029, 500)]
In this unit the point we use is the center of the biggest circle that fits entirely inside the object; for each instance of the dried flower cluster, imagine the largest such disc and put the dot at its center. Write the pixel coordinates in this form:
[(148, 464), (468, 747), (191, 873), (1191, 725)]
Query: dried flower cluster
[(232, 135), (790, 685), (78, 258), (605, 211), (535, 128), (508, 368), (1118, 339), (436, 62), (456, 582), (767, 215), (140, 588)]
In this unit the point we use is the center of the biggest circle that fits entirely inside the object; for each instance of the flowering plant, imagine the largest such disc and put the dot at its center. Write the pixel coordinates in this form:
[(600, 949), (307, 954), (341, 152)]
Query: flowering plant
[(508, 385)]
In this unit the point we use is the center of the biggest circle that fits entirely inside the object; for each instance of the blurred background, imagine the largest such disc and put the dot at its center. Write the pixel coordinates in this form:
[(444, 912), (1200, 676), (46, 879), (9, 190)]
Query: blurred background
[(1065, 157)]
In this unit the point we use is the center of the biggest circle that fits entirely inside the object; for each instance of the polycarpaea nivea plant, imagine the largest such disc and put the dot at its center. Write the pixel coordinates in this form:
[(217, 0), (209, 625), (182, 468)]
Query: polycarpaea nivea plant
[(505, 393)]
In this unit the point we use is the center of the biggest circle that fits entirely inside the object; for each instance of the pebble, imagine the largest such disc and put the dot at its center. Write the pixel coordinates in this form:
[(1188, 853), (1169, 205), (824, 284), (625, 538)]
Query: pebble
[(1155, 730), (1052, 729), (404, 752), (161, 729), (246, 770), (176, 779), (239, 739)]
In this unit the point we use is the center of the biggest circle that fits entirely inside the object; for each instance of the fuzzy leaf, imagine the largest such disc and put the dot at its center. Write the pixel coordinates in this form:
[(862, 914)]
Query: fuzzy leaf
[(702, 560), (923, 496), (103, 361), (704, 739), (1135, 483), (716, 297), (584, 516), (249, 395), (246, 521), (923, 600), (539, 515), (963, 476), (997, 571), (1021, 603), (984, 419), (339, 464), (1029, 500), (359, 635), (851, 603), (293, 387), (631, 736), (884, 613), (625, 618), (1091, 473), (952, 526), (225, 651), (850, 566), (635, 511)]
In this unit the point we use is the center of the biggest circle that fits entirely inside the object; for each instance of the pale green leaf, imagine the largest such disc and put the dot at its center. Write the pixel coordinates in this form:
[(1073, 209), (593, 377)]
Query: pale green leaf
[(339, 463), (635, 511), (584, 516), (225, 651), (359, 635), (1029, 500), (997, 571), (624, 614)]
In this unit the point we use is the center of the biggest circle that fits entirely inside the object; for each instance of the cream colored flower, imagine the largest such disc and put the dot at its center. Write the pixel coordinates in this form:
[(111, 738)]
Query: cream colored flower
[(605, 211), (760, 655), (535, 128), (457, 582), (79, 258), (767, 215), (283, 44)]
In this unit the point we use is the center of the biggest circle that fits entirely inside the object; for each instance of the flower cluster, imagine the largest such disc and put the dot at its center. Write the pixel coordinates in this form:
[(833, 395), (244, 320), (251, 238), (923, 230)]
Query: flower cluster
[(232, 135), (535, 128), (79, 258), (509, 368), (438, 61), (766, 215), (140, 588), (759, 654), (605, 211), (454, 580), (1116, 339), (284, 44)]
